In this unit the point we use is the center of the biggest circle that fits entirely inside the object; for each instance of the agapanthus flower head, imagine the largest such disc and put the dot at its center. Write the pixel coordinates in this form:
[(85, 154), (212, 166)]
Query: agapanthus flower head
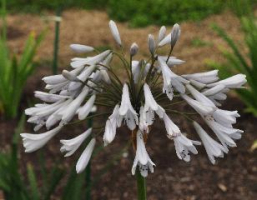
[(137, 101)]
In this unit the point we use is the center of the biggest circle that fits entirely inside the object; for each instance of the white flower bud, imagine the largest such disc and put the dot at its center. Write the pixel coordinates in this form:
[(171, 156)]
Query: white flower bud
[(161, 33), (115, 32), (175, 34), (85, 156), (133, 49), (78, 48), (151, 43)]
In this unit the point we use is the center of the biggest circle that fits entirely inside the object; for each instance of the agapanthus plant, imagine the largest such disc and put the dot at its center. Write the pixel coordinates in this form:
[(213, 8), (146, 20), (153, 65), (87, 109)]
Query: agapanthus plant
[(136, 101)]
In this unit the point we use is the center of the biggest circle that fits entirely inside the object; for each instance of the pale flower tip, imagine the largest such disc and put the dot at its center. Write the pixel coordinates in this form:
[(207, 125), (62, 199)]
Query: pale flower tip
[(133, 49), (161, 33), (175, 34), (115, 32), (69, 76), (85, 156), (151, 44), (78, 48)]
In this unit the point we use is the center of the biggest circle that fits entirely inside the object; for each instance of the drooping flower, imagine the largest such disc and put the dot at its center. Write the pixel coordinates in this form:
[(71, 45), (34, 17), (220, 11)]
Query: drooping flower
[(33, 142), (126, 110), (171, 128), (142, 159), (85, 156), (184, 146), (112, 123), (213, 148), (70, 146), (85, 110)]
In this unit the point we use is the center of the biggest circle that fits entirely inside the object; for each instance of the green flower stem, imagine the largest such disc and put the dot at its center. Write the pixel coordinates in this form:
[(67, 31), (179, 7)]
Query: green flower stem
[(141, 186)]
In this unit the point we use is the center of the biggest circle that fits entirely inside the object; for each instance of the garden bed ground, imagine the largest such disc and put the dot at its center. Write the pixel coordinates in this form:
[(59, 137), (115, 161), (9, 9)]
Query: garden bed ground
[(234, 177)]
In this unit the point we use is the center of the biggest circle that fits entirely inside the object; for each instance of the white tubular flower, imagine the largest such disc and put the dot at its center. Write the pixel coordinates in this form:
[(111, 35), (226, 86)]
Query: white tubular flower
[(85, 156), (69, 75), (150, 102), (126, 110), (54, 79), (142, 159), (45, 110), (151, 105), (171, 79), (74, 105), (109, 132), (71, 146), (85, 110), (151, 44), (214, 90), (49, 98), (54, 118), (162, 33), (226, 135), (58, 87), (78, 62), (106, 61), (133, 49), (112, 123), (78, 48), (197, 84), (184, 146), (171, 128), (236, 81), (213, 148), (225, 117), (86, 73), (135, 70), (105, 76), (200, 97), (33, 142), (203, 77), (199, 107), (115, 32), (145, 120), (172, 61)]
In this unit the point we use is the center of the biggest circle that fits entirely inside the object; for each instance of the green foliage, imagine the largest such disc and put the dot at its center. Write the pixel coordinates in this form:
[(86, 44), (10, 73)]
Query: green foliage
[(39, 5), (141, 13), (14, 71), (237, 62), (137, 12), (12, 182)]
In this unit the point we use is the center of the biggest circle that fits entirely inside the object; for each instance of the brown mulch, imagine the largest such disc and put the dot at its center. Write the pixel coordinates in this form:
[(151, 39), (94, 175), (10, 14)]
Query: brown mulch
[(234, 177)]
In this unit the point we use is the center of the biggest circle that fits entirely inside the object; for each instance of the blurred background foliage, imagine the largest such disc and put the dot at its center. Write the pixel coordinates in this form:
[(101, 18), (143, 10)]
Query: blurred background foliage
[(238, 62), (137, 12)]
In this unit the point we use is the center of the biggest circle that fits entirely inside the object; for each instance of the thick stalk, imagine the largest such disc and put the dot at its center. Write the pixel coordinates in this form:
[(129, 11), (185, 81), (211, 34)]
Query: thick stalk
[(141, 186)]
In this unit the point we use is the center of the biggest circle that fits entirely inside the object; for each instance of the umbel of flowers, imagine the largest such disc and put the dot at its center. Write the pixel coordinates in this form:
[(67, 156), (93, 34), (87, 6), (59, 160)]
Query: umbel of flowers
[(135, 102)]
